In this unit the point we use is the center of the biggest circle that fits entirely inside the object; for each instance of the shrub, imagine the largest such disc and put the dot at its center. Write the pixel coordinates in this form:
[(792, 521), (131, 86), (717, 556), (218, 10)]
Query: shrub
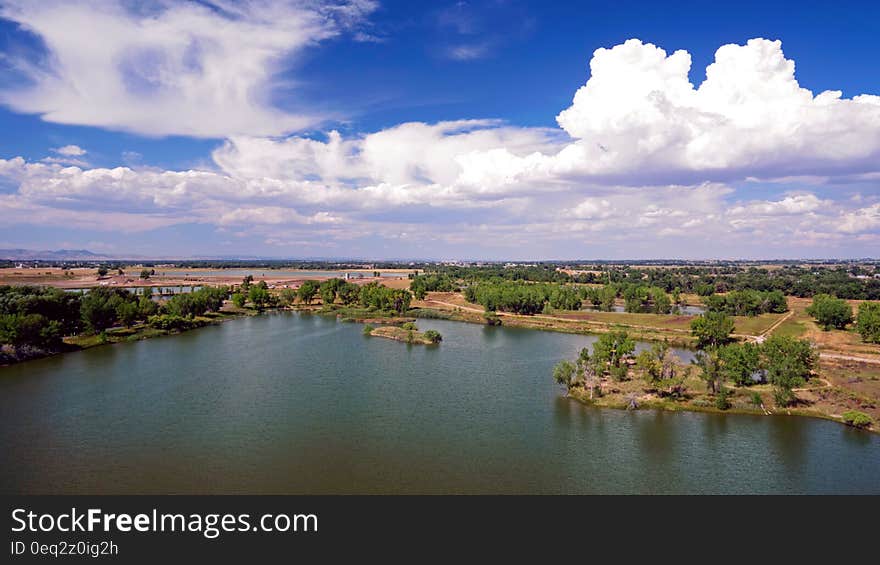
[(492, 319), (868, 322), (433, 336), (757, 401), (722, 402), (170, 322), (239, 299), (857, 419), (411, 326), (368, 329)]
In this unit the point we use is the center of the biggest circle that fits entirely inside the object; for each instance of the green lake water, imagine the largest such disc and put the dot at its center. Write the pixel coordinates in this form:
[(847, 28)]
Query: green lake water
[(292, 403)]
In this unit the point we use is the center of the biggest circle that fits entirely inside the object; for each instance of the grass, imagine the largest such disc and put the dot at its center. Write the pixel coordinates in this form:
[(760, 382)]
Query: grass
[(790, 328), (755, 325)]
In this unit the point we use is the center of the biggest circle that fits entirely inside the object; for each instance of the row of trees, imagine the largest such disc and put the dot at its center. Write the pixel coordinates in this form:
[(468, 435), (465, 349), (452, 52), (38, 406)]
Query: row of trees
[(41, 317), (747, 302), (531, 298), (831, 313), (638, 298), (420, 285), (372, 295), (706, 280), (508, 296)]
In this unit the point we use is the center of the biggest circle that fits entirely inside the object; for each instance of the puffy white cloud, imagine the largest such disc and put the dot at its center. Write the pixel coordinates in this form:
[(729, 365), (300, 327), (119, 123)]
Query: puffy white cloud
[(638, 119), (202, 69), (410, 153), (70, 151)]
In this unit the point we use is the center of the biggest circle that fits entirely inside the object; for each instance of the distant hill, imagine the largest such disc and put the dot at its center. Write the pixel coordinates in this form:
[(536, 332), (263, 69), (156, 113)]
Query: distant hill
[(46, 255)]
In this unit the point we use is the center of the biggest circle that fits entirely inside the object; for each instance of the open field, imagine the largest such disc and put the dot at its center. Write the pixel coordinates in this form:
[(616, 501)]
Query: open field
[(88, 278)]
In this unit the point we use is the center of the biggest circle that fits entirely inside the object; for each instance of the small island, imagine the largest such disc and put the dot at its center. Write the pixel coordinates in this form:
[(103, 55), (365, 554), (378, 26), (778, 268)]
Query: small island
[(407, 333)]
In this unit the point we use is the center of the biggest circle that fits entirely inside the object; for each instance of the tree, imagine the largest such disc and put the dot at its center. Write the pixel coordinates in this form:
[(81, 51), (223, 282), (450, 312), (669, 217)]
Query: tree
[(348, 293), (102, 271), (99, 307), (610, 353), (127, 313), (307, 291), (146, 274), (329, 290), (400, 300), (830, 312), (259, 295), (29, 330), (739, 362), (563, 373), (146, 307), (868, 322), (789, 363), (565, 298), (239, 299), (709, 362), (712, 329), (652, 368), (586, 368), (287, 297)]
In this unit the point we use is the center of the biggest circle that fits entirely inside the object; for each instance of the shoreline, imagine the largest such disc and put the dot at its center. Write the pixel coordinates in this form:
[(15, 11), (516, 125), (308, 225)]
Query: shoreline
[(662, 406), (612, 401)]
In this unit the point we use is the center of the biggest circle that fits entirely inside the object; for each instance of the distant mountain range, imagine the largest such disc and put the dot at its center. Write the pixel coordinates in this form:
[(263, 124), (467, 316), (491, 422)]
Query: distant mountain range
[(47, 255)]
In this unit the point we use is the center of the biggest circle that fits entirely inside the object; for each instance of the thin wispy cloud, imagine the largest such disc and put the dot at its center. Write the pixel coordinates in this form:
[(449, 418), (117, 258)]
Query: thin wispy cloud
[(203, 69)]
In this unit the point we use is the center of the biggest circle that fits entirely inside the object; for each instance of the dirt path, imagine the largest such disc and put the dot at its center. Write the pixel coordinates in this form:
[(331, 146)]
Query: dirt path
[(873, 360), (777, 323)]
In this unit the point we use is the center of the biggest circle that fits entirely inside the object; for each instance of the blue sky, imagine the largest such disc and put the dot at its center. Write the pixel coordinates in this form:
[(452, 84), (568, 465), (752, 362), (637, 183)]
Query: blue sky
[(204, 128)]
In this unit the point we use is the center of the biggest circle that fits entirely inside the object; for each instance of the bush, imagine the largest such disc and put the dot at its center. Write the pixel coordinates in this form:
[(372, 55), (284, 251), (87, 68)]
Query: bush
[(433, 336), (492, 319), (757, 401), (857, 419), (868, 322), (170, 322), (410, 326), (722, 402), (368, 329)]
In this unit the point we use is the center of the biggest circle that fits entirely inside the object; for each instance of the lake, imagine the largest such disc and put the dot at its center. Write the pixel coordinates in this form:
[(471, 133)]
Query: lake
[(297, 403)]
